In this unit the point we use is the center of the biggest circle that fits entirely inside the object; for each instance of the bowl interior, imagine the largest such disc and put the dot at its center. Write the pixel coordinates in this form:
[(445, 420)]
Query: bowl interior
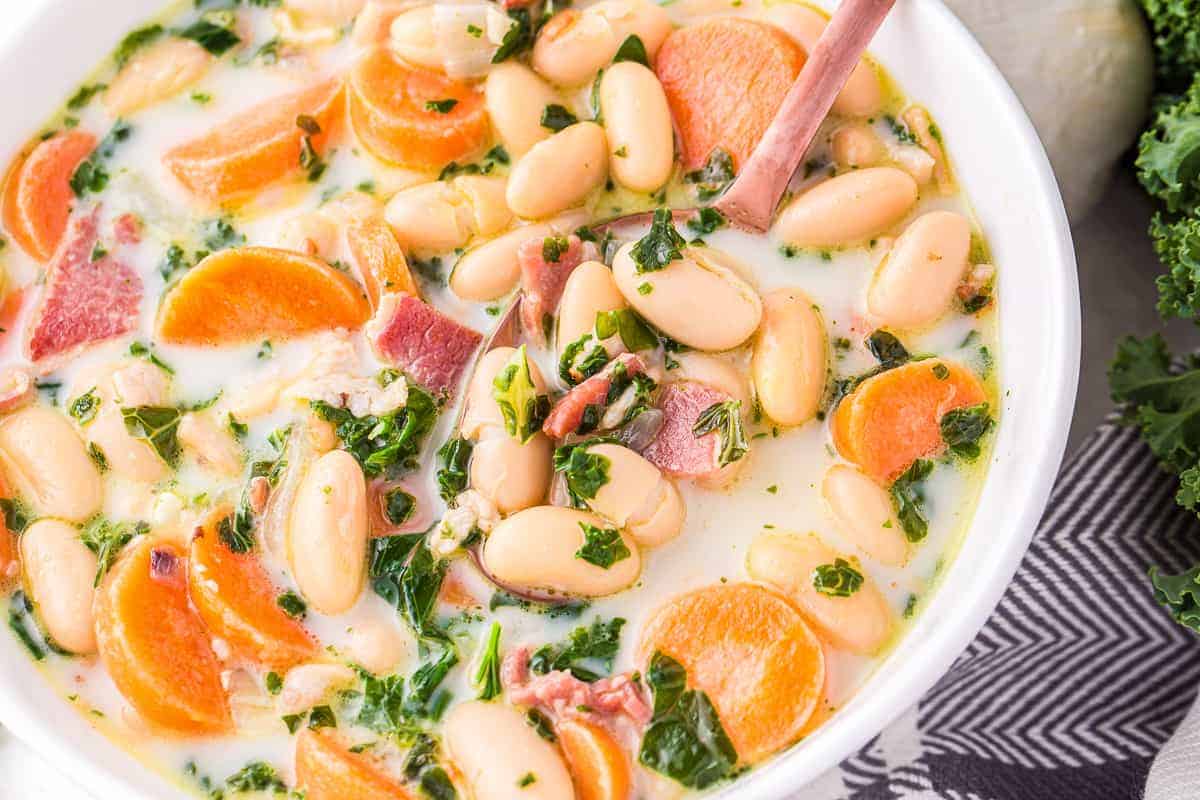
[(1000, 162)]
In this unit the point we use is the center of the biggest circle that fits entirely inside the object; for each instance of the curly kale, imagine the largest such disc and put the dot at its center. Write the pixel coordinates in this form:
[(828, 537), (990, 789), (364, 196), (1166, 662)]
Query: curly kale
[(1168, 159), (1176, 27), (1178, 247)]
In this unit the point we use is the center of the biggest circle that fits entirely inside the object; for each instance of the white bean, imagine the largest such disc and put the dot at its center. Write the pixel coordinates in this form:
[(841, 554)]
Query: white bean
[(637, 497), (915, 282), (848, 209), (714, 371), (861, 623), (559, 172), (637, 119), (482, 412), (126, 455), (412, 38), (857, 145), (590, 290), (516, 98), (511, 474), (791, 358), (60, 572), (864, 514), (494, 748), (327, 533), (157, 73), (213, 445), (573, 45), (308, 684), (698, 300), (429, 218), (48, 465), (490, 270), (378, 645), (537, 549)]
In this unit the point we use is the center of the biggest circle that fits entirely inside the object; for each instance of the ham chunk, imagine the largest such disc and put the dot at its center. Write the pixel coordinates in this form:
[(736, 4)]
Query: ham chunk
[(430, 347), (568, 412), (545, 267), (565, 695), (676, 450), (84, 301)]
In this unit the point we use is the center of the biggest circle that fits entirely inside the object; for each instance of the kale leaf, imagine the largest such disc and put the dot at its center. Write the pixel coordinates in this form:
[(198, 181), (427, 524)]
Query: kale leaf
[(587, 654), (907, 500), (726, 419), (602, 546), (384, 445), (1180, 594), (452, 477), (585, 472), (1178, 246), (1168, 160), (660, 246), (1176, 28)]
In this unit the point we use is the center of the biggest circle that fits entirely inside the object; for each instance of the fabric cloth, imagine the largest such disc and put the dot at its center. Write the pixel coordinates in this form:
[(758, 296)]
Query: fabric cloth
[(1079, 677)]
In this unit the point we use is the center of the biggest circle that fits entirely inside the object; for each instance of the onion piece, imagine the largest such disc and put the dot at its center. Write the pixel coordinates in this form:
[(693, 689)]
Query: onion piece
[(641, 430), (532, 595)]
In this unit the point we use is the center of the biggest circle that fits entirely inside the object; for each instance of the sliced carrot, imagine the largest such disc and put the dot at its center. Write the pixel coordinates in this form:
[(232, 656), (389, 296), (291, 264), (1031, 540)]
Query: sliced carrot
[(391, 108), (327, 770), (725, 79), (237, 601), (37, 192), (379, 260), (10, 559), (597, 763), (752, 653), (155, 646), (250, 293), (259, 146), (893, 418)]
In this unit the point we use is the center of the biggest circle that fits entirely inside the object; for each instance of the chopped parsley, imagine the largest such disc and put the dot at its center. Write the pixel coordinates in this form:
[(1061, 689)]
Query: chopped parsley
[(588, 652), (517, 397), (838, 579), (602, 546), (726, 420), (584, 472), (216, 39), (292, 604), (660, 246), (487, 674), (907, 500), (91, 174), (452, 477), (441, 106), (158, 426), (632, 49), (555, 117), (962, 428)]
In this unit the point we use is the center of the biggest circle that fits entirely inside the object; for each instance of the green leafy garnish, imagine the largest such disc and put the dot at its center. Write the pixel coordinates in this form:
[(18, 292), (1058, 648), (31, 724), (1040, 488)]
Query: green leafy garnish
[(134, 41), (962, 428), (519, 37), (146, 352), (257, 776), (575, 365), (585, 472), (84, 94), (887, 349), (1180, 594), (421, 765), (106, 539), (907, 500), (91, 175), (555, 117), (517, 397), (716, 174), (660, 246), (321, 717), (635, 334), (487, 674), (838, 579), (273, 683), (632, 49), (1176, 27), (553, 248), (216, 39), (707, 220), (726, 420), (602, 546), (1168, 159), (685, 740), (83, 408), (158, 426), (384, 445), (540, 724), (441, 106), (398, 506), (23, 625), (219, 234), (1178, 247), (292, 604), (588, 652), (452, 477), (16, 514)]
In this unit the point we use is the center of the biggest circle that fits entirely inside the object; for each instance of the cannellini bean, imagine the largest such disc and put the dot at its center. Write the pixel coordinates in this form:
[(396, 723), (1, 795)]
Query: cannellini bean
[(494, 748), (862, 95), (378, 646), (412, 38), (482, 412), (311, 233), (47, 464), (157, 73), (490, 270), (791, 358), (308, 684), (536, 549), (60, 572), (698, 300), (921, 125), (713, 371), (213, 445), (637, 497), (128, 383), (861, 623), (915, 282), (590, 290), (573, 45), (864, 514), (848, 209), (915, 161), (559, 172), (17, 388), (326, 12), (439, 216), (327, 533), (857, 145), (373, 24), (511, 474), (516, 98), (637, 119), (126, 455), (138, 383)]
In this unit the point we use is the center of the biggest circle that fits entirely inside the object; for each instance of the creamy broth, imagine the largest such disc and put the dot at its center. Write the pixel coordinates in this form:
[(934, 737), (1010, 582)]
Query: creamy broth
[(778, 489)]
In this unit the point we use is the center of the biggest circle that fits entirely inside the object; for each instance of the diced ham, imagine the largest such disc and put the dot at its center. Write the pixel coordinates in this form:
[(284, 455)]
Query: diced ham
[(127, 229), (84, 301), (542, 281), (568, 411), (565, 695), (428, 345), (676, 450)]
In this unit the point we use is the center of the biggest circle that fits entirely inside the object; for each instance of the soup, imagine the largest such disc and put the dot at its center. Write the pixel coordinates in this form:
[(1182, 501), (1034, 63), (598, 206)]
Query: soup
[(370, 426)]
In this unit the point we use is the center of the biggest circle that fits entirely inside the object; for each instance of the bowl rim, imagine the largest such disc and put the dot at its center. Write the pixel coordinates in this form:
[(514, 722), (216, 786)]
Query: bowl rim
[(857, 723)]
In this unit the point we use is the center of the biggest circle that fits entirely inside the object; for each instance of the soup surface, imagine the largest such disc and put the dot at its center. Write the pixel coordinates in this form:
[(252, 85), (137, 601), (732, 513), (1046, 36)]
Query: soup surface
[(350, 449)]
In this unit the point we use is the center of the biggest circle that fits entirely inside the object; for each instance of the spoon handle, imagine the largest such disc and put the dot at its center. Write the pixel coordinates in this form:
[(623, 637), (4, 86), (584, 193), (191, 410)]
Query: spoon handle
[(750, 202)]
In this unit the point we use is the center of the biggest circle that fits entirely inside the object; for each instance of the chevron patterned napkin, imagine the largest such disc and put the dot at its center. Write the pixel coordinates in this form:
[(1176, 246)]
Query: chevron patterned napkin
[(1079, 677)]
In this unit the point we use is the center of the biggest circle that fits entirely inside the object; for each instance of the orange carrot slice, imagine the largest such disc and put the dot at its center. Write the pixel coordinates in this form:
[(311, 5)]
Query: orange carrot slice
[(379, 260), (752, 653), (893, 418), (250, 293), (725, 79), (237, 601), (392, 108), (259, 146), (327, 770), (37, 192), (10, 559), (597, 763), (155, 646)]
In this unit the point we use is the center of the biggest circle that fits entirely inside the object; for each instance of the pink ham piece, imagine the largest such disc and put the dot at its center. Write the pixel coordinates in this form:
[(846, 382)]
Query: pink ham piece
[(84, 301), (542, 281), (432, 348), (127, 229), (565, 695), (676, 450), (568, 411)]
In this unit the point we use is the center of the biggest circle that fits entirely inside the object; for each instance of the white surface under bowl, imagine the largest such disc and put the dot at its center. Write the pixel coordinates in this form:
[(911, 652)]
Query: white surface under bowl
[(1004, 171)]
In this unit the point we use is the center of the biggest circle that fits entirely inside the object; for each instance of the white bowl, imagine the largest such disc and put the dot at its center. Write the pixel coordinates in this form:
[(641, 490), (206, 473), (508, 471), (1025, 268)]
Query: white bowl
[(1004, 170)]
